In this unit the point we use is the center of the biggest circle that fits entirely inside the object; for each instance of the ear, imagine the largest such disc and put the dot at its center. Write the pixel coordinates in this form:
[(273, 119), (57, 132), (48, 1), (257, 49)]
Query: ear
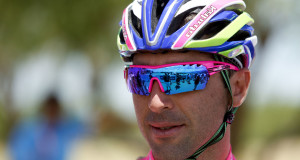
[(240, 82)]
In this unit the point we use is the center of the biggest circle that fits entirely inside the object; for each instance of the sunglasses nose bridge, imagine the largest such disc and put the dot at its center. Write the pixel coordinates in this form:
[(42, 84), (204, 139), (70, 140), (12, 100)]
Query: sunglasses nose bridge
[(151, 84)]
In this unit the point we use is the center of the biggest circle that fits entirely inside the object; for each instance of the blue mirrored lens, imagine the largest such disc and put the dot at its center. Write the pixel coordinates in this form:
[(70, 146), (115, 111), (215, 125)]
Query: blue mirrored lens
[(174, 79), (137, 82)]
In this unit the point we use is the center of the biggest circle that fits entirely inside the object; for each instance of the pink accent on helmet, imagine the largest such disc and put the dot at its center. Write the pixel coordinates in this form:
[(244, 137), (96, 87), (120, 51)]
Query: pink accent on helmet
[(201, 19), (125, 29), (151, 84), (207, 64)]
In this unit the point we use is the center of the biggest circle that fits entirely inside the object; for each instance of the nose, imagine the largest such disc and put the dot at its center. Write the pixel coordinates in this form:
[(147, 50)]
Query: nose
[(159, 101)]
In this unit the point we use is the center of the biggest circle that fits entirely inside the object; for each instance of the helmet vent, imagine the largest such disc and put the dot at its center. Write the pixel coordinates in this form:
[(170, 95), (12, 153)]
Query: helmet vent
[(211, 30), (240, 36), (182, 19), (122, 40), (158, 8), (136, 23), (238, 12)]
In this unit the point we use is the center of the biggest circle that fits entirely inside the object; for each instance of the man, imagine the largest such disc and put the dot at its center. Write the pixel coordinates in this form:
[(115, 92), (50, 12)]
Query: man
[(209, 37)]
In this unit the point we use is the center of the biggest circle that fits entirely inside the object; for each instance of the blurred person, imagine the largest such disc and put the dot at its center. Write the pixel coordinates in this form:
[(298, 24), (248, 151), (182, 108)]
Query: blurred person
[(213, 38), (47, 137)]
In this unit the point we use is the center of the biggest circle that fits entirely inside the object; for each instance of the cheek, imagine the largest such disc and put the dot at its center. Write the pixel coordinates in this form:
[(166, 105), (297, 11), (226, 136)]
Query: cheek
[(217, 91), (140, 103), (208, 105), (217, 98), (140, 107)]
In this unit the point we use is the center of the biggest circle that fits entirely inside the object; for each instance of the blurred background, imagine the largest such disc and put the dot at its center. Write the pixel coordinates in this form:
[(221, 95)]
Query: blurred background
[(61, 83)]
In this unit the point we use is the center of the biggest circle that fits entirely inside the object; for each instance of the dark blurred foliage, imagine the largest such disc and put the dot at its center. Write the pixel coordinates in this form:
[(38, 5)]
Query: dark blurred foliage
[(79, 25)]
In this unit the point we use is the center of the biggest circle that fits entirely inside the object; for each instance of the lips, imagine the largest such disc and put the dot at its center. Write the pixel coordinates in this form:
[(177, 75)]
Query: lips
[(166, 130)]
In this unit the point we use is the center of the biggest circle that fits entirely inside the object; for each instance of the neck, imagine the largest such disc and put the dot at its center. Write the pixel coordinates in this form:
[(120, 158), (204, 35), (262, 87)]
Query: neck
[(218, 151)]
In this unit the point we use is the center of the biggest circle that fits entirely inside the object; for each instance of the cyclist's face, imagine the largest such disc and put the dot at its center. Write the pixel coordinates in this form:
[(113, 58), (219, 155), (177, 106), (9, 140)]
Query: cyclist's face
[(176, 125)]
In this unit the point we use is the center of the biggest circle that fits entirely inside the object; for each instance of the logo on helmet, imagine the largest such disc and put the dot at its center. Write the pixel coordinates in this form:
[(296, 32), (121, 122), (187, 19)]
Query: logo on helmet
[(202, 18)]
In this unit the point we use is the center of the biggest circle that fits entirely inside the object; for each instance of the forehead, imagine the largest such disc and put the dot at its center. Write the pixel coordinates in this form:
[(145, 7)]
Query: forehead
[(170, 57)]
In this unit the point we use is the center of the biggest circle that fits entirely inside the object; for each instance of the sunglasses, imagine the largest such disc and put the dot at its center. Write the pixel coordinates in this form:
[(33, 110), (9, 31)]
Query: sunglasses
[(172, 78)]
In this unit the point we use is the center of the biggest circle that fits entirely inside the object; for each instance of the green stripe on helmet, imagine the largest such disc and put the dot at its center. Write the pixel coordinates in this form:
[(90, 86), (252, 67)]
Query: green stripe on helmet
[(224, 35)]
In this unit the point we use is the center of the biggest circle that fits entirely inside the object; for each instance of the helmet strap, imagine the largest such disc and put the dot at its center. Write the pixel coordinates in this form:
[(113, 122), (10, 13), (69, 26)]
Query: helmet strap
[(228, 118)]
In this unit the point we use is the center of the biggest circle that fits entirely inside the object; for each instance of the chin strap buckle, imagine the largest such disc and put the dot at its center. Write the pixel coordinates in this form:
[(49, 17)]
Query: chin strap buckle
[(229, 117)]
